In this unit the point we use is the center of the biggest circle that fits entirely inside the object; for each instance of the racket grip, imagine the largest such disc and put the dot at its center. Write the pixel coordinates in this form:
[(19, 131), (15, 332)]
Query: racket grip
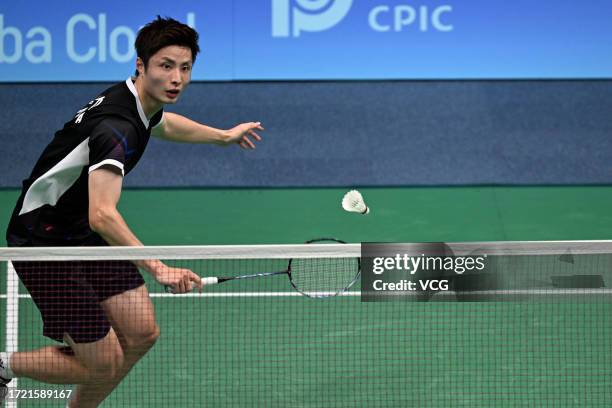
[(210, 280)]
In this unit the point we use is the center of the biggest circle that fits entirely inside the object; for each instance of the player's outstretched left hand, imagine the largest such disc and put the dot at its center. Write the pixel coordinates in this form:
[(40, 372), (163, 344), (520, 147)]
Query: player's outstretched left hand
[(243, 133)]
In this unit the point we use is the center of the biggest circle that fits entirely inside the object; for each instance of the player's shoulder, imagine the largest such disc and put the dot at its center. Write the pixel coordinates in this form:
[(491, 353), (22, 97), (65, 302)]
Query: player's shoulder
[(116, 123), (117, 97), (115, 103), (118, 91)]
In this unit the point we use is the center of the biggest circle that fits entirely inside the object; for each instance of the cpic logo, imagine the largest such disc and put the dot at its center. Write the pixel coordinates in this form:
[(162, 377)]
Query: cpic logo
[(306, 15)]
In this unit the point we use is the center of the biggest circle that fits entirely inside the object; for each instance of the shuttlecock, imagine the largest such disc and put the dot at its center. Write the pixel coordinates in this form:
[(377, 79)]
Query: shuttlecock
[(353, 202)]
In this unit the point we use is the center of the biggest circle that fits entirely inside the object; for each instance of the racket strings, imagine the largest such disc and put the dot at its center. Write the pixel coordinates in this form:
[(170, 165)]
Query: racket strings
[(319, 277)]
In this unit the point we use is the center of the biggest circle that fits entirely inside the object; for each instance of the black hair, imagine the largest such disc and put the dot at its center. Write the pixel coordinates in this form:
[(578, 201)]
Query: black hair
[(163, 32)]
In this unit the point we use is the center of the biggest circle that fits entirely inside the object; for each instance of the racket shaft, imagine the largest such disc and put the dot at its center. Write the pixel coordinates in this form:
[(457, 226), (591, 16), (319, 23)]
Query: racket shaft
[(229, 278)]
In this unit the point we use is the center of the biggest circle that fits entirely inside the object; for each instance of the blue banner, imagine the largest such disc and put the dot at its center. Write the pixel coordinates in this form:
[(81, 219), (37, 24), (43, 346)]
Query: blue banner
[(316, 39)]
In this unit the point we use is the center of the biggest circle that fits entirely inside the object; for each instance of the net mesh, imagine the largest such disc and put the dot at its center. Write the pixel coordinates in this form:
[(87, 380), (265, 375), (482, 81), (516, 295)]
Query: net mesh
[(258, 342)]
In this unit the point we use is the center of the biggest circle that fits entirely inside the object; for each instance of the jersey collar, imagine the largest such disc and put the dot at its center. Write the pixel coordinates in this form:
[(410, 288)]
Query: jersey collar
[(133, 90)]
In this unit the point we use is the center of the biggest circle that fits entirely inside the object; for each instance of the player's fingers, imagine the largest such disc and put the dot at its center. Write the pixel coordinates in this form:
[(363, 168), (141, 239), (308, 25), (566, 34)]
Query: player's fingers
[(243, 145), (255, 125), (255, 135), (197, 280), (181, 286), (184, 281), (248, 142), (188, 283)]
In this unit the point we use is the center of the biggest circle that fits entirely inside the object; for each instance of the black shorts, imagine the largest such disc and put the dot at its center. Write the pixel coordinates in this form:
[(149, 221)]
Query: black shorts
[(68, 294)]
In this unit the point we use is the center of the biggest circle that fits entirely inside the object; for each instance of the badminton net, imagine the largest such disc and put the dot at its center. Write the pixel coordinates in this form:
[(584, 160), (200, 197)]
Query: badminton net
[(259, 342)]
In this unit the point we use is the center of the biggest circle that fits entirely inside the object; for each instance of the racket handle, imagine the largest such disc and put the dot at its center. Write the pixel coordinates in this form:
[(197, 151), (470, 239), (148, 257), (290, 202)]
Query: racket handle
[(211, 280)]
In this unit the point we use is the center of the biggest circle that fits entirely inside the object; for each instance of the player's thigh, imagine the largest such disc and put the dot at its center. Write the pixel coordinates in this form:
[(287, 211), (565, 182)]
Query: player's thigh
[(132, 315), (67, 301)]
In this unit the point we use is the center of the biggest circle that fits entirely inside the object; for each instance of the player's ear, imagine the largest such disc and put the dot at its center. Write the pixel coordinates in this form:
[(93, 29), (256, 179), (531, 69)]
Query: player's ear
[(140, 67)]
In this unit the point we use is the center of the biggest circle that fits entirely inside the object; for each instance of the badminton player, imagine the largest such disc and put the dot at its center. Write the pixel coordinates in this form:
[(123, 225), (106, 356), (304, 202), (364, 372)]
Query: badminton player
[(101, 311)]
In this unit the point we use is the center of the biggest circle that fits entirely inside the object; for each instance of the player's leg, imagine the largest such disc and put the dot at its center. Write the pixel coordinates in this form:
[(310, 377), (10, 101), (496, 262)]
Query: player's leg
[(94, 363), (69, 307), (136, 329), (133, 319), (49, 365)]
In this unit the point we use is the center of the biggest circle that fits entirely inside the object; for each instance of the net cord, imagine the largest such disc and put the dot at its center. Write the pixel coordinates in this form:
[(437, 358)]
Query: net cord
[(292, 251)]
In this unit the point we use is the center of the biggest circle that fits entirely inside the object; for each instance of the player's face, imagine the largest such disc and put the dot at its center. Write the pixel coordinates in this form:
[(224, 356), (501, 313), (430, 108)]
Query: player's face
[(168, 73)]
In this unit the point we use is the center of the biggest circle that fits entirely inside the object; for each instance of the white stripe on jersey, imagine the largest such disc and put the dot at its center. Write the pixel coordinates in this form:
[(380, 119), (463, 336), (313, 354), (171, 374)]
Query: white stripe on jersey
[(134, 92), (48, 188), (112, 162)]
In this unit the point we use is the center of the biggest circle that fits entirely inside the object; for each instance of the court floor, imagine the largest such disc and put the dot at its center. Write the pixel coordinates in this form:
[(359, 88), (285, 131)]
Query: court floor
[(293, 351)]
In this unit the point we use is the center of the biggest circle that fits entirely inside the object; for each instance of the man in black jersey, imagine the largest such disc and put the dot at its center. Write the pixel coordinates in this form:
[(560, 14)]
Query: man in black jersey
[(102, 310)]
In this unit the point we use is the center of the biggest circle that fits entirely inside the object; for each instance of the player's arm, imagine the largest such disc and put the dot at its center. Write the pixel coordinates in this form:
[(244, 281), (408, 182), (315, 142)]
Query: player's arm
[(104, 192), (178, 128)]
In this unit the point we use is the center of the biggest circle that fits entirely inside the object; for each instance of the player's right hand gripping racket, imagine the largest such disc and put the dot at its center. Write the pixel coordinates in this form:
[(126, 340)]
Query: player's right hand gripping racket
[(312, 277)]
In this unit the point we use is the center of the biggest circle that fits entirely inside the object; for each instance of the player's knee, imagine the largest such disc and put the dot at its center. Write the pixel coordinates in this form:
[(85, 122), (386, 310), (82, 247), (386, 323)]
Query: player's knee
[(150, 338), (145, 339)]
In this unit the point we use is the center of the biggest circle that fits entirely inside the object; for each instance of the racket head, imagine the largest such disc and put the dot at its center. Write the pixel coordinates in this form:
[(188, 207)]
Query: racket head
[(322, 278)]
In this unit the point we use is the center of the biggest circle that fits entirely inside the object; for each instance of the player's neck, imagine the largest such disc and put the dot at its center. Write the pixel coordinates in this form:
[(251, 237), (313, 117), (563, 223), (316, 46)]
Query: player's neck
[(149, 105)]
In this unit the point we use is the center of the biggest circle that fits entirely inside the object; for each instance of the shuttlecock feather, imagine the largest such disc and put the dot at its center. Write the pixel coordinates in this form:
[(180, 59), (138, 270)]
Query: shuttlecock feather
[(353, 202)]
